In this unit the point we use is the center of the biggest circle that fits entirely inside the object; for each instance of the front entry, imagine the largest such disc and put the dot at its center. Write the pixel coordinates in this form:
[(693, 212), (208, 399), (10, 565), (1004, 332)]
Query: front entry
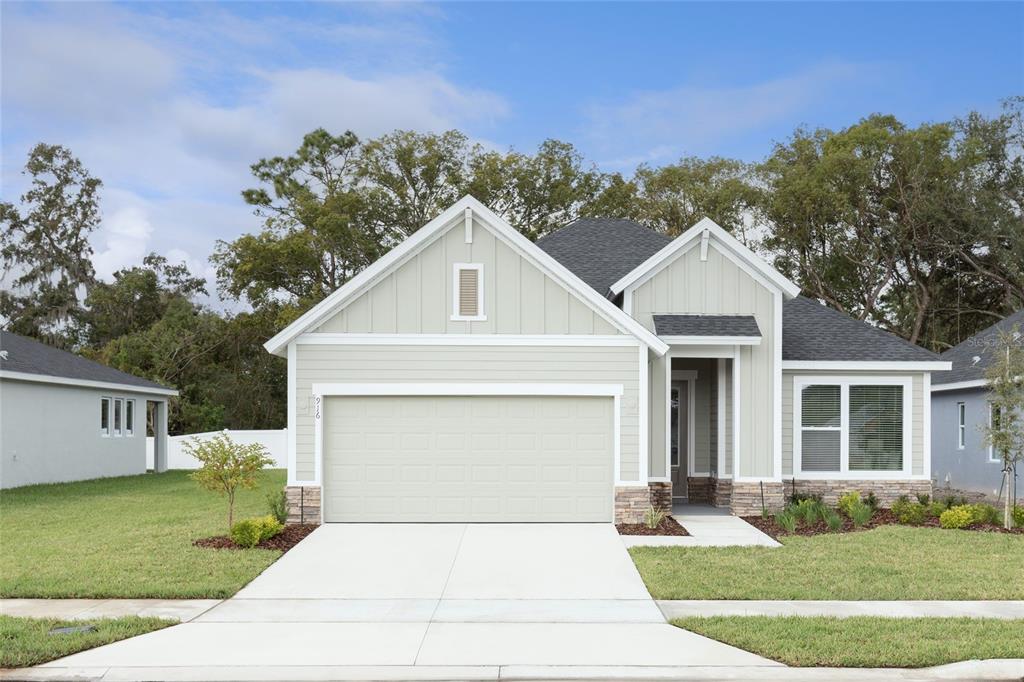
[(679, 437)]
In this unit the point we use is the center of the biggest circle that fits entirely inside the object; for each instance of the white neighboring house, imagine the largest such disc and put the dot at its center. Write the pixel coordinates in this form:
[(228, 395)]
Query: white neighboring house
[(65, 418)]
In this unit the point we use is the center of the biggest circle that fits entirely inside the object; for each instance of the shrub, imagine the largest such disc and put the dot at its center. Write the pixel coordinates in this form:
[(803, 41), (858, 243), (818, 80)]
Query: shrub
[(860, 513), (935, 509), (924, 499), (227, 467), (871, 500), (251, 532), (653, 517), (808, 511), (956, 517), (985, 513), (848, 500), (954, 501), (832, 519), (1018, 517), (797, 497), (269, 527), (909, 513), (786, 521), (278, 505)]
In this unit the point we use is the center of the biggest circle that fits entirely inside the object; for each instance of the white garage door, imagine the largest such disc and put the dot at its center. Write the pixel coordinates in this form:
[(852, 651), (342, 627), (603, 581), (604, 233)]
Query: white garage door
[(467, 458)]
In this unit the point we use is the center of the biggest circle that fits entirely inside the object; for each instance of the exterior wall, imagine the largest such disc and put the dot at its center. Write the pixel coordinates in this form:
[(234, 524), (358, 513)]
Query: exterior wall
[(917, 435), (465, 364), (886, 491), (751, 498), (717, 286), (50, 433), (416, 297), (303, 505), (632, 502), (968, 468)]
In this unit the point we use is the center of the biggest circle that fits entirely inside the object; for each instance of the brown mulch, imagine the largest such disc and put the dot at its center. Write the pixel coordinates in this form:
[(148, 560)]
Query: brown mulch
[(283, 541), (668, 526), (882, 517)]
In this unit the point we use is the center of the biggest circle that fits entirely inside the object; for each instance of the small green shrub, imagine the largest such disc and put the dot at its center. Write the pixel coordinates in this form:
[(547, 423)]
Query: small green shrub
[(1018, 517), (954, 501), (985, 513), (277, 503), (871, 500), (832, 519), (786, 521), (957, 517), (935, 509), (909, 513), (848, 500), (808, 511), (860, 513), (653, 517), (924, 499), (270, 527), (251, 532), (797, 497)]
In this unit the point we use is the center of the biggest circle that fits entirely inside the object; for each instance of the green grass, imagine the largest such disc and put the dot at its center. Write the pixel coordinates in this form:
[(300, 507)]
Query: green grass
[(864, 641), (891, 562), (26, 641), (126, 537)]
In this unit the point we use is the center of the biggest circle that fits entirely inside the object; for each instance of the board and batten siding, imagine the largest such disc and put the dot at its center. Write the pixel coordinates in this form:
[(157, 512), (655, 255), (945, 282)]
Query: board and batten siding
[(717, 286), (917, 418), (466, 364), (416, 298)]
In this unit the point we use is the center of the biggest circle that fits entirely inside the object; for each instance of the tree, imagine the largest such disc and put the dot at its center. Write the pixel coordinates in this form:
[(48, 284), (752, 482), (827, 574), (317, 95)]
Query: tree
[(1005, 433), (227, 467), (45, 247)]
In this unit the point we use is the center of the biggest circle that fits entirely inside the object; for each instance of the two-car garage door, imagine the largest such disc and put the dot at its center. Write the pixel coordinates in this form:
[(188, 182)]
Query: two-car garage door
[(468, 458)]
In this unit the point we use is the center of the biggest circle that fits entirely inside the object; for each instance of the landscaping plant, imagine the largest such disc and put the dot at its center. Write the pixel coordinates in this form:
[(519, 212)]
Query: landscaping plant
[(957, 517), (848, 500), (1005, 430), (832, 519), (251, 532), (860, 513), (909, 513), (227, 466), (278, 504), (654, 516), (786, 521), (1018, 517), (807, 510)]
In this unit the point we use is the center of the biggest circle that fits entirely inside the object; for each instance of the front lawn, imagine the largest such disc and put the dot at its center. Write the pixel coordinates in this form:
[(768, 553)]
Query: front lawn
[(890, 562), (27, 641), (863, 641), (126, 537)]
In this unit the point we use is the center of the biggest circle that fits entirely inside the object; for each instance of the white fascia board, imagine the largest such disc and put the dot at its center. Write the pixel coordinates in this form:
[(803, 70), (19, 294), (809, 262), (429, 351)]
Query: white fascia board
[(712, 340), (869, 365), (959, 385), (468, 389), (421, 237), (665, 255), (345, 339), (85, 383)]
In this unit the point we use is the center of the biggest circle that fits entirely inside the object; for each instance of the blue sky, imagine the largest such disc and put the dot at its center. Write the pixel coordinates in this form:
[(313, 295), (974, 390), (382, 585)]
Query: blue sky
[(169, 103)]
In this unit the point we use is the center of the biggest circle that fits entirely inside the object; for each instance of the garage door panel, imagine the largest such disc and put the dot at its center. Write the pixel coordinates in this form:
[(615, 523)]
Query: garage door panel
[(482, 458)]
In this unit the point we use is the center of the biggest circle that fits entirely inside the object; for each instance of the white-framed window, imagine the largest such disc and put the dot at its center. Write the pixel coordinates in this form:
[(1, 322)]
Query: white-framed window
[(105, 416), (993, 421), (852, 427), (468, 292), (129, 417), (118, 416), (961, 425)]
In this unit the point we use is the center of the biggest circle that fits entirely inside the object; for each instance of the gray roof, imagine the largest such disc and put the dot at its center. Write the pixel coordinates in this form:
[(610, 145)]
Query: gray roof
[(813, 331), (962, 355), (601, 251), (706, 325), (22, 354)]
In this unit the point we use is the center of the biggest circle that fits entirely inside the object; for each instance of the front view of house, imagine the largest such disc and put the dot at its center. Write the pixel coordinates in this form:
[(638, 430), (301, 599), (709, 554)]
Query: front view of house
[(472, 375)]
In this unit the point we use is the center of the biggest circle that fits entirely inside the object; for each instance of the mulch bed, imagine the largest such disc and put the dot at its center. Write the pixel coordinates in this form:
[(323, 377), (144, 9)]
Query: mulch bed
[(668, 526), (882, 517), (283, 541)]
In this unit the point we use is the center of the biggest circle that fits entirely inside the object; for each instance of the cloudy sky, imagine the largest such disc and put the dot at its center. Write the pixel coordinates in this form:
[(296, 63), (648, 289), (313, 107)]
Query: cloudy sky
[(169, 103)]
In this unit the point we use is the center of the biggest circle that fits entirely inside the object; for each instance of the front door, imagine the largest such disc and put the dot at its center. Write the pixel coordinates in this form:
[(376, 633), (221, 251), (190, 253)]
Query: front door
[(679, 437)]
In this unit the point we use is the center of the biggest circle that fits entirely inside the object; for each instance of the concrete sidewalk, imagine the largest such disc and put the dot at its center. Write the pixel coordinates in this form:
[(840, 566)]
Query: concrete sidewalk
[(183, 610), (707, 527), (1006, 610)]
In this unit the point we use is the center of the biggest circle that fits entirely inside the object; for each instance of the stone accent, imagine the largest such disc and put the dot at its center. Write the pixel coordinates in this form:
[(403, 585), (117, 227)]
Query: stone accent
[(303, 504), (631, 502), (721, 492), (745, 499), (887, 491), (698, 489), (661, 495)]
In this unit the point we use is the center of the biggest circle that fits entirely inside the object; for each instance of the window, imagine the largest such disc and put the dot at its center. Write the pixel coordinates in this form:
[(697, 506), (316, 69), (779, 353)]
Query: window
[(468, 292), (129, 417), (859, 428), (993, 422), (118, 411), (104, 416), (961, 425)]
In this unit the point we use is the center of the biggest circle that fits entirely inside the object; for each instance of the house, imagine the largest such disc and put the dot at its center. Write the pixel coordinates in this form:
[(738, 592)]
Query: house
[(65, 418), (961, 457), (471, 375)]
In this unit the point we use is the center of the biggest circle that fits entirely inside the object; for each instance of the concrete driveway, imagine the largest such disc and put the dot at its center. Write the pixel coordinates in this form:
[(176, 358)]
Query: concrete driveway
[(438, 599)]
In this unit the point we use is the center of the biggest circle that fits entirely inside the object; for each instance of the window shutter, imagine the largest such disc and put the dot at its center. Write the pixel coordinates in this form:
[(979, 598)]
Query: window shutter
[(876, 428), (821, 422), (469, 287)]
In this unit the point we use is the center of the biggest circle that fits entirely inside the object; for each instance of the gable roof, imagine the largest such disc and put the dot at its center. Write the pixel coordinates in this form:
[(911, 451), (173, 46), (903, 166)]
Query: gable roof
[(706, 325), (602, 250), (30, 360), (422, 237), (978, 346)]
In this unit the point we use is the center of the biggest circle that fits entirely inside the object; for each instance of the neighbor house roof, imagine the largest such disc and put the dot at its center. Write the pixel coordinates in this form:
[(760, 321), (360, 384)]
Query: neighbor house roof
[(706, 325), (978, 346), (28, 359)]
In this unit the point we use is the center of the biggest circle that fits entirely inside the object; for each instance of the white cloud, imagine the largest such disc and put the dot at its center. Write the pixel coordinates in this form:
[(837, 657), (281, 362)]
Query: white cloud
[(121, 240)]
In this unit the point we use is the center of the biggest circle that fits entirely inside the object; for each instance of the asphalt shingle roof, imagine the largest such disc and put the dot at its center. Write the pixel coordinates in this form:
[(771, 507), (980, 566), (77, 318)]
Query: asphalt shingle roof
[(978, 346), (706, 325), (22, 354), (601, 251)]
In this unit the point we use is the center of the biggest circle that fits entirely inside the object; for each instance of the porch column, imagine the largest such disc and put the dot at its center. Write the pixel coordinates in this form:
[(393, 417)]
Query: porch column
[(160, 437)]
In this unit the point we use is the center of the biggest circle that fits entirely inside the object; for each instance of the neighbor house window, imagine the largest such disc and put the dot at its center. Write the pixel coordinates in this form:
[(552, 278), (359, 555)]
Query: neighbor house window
[(993, 422), (105, 416), (468, 292), (118, 412), (129, 417), (961, 425), (846, 426)]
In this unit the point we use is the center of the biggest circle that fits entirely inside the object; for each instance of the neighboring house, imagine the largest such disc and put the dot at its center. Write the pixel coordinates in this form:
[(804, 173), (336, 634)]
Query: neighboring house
[(961, 458), (65, 418), (471, 375)]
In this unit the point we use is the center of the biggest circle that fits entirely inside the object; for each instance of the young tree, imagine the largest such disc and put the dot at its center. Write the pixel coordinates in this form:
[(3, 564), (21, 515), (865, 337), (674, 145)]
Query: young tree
[(1005, 378), (227, 467)]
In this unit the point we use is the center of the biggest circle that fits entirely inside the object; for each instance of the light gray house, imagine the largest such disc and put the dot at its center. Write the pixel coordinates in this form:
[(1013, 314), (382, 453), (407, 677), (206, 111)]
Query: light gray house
[(472, 375), (65, 418), (960, 404)]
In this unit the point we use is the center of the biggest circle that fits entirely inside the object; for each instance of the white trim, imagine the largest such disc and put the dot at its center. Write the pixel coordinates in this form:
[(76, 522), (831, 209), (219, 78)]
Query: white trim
[(617, 446), (926, 437), (720, 454), (844, 382), (109, 401), (644, 420), (691, 428), (293, 371), (666, 255), (961, 425), (469, 225), (118, 421), (703, 352), (736, 404), (712, 340), (467, 389), (342, 339), (406, 249), (777, 388), (956, 386), (67, 381), (869, 365), (481, 314), (129, 429)]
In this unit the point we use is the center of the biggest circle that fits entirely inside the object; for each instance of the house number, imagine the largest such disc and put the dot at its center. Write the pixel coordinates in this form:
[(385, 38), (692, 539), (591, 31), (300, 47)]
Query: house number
[(316, 407)]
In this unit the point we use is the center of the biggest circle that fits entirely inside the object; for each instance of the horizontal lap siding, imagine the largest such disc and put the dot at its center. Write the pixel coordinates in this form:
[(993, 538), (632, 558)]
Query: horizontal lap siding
[(466, 364)]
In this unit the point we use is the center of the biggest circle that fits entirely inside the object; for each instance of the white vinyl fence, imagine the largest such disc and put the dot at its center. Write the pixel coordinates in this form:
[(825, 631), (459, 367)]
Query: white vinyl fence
[(276, 442)]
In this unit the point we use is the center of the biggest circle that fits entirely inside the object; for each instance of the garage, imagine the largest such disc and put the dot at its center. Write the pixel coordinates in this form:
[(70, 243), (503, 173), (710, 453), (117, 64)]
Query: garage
[(468, 458)]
